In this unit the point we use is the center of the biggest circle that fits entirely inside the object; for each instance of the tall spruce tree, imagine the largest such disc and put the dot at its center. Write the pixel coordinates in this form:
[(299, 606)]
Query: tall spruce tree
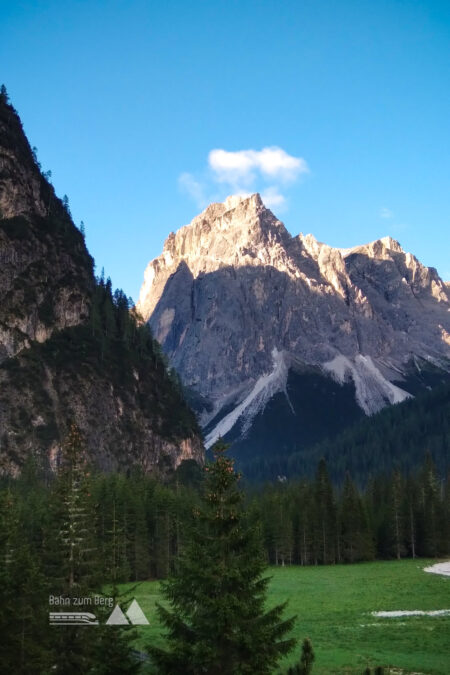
[(356, 538), (325, 515), (396, 508), (431, 509), (75, 571), (217, 623), (306, 660)]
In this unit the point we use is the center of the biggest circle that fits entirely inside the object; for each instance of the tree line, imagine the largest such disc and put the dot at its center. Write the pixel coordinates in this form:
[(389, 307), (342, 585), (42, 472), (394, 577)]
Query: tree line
[(310, 521), (139, 521)]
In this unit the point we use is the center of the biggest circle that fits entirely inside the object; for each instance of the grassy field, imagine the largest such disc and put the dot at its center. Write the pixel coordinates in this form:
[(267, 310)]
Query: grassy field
[(333, 605)]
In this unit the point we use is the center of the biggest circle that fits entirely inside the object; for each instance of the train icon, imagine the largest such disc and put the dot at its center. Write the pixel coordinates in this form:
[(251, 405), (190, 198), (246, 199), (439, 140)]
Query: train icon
[(72, 619)]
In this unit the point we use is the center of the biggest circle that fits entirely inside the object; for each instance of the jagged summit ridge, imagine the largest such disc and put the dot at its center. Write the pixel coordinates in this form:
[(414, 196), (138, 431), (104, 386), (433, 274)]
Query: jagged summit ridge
[(233, 288), (242, 231)]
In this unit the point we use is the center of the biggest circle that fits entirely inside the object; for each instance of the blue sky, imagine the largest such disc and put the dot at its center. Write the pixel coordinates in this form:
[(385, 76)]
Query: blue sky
[(339, 111)]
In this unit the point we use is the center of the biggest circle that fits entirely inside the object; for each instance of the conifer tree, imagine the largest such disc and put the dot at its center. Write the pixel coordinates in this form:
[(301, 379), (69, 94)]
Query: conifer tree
[(325, 514), (430, 507), (74, 525), (305, 516), (411, 515), (112, 509), (72, 566), (217, 622), (75, 567), (356, 538), (283, 535), (306, 660), (396, 514), (4, 98)]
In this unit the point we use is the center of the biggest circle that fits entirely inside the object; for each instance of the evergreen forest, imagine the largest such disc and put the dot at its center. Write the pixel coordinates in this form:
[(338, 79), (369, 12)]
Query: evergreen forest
[(78, 531)]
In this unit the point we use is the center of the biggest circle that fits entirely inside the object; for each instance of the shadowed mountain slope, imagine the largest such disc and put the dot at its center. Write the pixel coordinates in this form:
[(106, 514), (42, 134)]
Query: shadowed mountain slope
[(70, 350)]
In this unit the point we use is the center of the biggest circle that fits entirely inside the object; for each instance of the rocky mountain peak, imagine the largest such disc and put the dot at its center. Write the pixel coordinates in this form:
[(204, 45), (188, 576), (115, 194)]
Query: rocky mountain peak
[(237, 302), (236, 212), (392, 244), (239, 232)]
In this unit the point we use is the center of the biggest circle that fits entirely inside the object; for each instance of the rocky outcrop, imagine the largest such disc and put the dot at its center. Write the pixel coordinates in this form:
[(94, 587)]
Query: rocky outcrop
[(46, 277), (124, 414), (58, 363), (237, 303)]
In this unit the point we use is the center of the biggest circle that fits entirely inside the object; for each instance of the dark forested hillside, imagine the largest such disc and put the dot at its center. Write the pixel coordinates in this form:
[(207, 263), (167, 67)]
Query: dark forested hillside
[(396, 437), (71, 350)]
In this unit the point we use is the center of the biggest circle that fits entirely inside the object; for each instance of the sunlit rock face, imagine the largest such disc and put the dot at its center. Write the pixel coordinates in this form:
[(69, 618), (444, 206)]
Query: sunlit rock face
[(237, 303)]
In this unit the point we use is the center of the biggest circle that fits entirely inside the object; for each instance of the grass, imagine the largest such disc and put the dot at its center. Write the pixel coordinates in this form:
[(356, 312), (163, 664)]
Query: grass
[(333, 605)]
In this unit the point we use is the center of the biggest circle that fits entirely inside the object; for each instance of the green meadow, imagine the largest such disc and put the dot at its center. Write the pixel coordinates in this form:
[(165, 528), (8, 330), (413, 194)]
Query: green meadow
[(333, 605)]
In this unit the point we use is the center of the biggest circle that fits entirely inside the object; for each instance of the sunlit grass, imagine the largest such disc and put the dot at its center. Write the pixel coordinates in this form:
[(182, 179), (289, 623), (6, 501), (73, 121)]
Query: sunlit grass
[(333, 605)]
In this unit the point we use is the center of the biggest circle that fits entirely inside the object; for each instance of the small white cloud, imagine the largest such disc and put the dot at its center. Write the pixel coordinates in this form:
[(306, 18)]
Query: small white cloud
[(276, 163), (231, 167), (386, 213), (244, 172), (272, 197), (242, 167)]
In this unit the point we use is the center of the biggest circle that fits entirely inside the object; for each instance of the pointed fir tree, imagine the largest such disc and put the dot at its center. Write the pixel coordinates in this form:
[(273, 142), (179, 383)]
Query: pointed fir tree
[(325, 515), (356, 538), (72, 565), (282, 521), (4, 98), (431, 509), (217, 622), (396, 512), (73, 515), (306, 660), (75, 568)]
